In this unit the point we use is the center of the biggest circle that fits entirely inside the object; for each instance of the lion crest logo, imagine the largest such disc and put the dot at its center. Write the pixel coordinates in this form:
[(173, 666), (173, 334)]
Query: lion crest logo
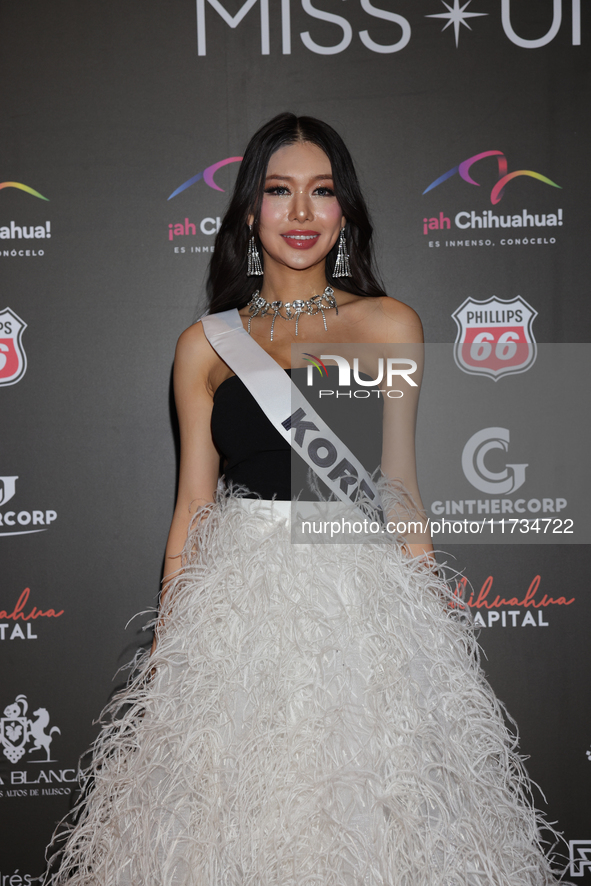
[(17, 730)]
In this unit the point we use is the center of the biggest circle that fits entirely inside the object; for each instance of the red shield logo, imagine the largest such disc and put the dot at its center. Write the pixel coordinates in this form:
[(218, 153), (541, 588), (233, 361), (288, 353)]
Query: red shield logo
[(13, 360), (495, 337)]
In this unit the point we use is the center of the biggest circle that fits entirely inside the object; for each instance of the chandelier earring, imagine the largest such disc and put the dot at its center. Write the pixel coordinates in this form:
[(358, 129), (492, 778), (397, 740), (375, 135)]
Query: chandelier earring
[(341, 268), (255, 268)]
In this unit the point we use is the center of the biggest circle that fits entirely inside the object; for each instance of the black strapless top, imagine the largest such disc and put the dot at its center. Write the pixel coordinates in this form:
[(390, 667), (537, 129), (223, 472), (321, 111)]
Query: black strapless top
[(254, 454)]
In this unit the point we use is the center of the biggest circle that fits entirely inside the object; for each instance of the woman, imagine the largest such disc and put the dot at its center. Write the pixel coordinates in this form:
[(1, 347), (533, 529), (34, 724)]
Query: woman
[(310, 714)]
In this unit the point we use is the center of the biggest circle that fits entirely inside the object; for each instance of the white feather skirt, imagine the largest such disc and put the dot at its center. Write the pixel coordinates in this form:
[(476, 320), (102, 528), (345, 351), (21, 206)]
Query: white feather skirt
[(313, 715)]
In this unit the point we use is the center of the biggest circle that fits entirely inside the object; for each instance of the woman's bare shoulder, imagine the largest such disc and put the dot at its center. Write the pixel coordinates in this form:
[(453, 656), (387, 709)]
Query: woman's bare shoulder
[(195, 358), (193, 345), (394, 321), (192, 339)]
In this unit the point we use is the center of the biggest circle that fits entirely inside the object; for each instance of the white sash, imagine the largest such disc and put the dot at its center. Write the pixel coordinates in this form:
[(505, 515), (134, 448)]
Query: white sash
[(290, 413)]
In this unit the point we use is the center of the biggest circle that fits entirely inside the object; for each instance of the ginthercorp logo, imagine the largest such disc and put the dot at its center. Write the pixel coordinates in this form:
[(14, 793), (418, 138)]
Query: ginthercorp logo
[(580, 857), (13, 360), (487, 220), (209, 225), (495, 337), (483, 474), (387, 371), (509, 479), (11, 521)]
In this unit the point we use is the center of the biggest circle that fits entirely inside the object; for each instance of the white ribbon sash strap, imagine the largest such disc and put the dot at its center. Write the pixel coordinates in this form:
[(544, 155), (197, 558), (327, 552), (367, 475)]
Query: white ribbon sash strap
[(290, 413)]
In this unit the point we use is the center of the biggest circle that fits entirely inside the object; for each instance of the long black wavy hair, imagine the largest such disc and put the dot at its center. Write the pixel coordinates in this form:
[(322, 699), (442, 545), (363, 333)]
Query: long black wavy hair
[(227, 283)]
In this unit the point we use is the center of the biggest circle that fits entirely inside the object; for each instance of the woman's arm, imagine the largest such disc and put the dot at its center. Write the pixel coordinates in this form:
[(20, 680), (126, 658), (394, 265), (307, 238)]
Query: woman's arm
[(402, 329), (199, 466)]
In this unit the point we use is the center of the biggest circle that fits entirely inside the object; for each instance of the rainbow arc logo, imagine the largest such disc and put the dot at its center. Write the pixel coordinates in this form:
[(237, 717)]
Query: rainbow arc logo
[(22, 187), (207, 175), (504, 176)]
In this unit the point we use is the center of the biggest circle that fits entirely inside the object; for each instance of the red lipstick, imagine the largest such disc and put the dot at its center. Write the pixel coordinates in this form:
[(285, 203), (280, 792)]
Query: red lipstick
[(299, 239)]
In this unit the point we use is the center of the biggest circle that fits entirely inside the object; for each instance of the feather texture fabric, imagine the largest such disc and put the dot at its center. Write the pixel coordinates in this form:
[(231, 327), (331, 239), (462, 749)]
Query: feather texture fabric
[(313, 715)]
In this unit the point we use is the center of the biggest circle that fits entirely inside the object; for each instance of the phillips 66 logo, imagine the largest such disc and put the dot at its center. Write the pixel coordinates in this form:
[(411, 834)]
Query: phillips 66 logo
[(495, 337), (13, 361)]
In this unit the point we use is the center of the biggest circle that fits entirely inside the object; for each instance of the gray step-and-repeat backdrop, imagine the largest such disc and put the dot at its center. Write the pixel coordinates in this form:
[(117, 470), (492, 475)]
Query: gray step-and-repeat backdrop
[(122, 127)]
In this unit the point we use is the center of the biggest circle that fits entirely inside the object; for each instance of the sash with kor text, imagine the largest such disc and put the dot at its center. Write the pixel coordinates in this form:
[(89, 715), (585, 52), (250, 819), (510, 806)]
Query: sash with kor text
[(291, 414)]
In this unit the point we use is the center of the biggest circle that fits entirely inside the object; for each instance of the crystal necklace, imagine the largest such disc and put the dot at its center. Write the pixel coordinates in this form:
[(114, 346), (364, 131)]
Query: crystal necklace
[(318, 304)]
